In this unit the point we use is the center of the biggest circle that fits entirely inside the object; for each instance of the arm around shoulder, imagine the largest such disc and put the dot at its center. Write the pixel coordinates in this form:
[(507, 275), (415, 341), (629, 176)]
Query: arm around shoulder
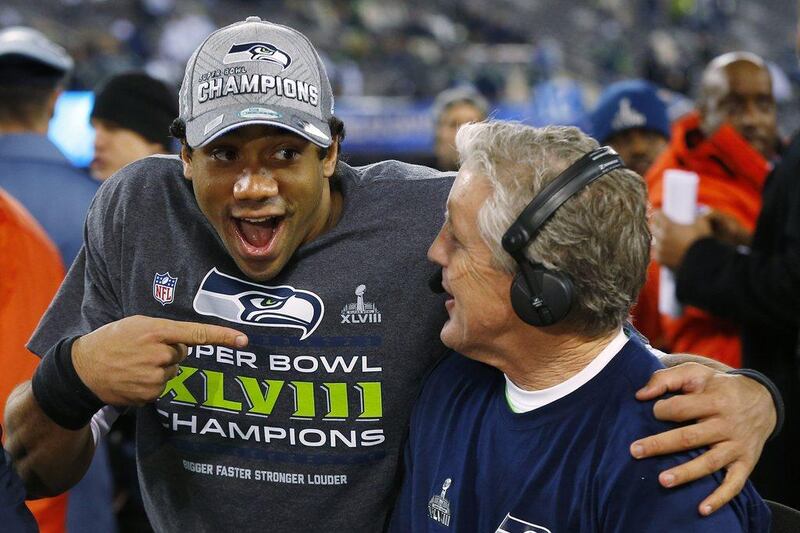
[(49, 458)]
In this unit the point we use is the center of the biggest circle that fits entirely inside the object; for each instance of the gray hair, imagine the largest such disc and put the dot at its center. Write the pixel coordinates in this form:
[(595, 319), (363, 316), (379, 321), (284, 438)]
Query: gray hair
[(599, 237)]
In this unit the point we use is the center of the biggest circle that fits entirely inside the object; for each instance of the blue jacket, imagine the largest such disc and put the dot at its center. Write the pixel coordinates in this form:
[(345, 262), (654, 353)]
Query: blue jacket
[(56, 193), (35, 172)]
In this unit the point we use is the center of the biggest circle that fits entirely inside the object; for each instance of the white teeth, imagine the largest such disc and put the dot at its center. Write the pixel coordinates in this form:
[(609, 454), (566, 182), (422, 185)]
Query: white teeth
[(257, 220)]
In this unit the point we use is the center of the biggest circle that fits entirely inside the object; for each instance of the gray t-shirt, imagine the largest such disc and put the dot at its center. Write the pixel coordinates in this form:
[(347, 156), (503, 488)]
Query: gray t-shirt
[(304, 427)]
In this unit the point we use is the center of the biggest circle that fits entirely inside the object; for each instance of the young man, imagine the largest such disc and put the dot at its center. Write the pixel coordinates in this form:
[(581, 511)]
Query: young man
[(131, 117), (631, 117), (319, 266)]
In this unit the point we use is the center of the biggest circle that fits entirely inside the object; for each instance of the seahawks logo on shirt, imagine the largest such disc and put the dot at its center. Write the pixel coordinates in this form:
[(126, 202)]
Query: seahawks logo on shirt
[(257, 52), (243, 302)]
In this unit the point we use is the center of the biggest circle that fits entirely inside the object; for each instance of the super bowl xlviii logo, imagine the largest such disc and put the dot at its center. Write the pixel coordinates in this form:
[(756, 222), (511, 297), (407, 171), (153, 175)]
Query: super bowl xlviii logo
[(243, 302), (164, 288), (514, 525), (257, 52), (360, 312), (439, 506)]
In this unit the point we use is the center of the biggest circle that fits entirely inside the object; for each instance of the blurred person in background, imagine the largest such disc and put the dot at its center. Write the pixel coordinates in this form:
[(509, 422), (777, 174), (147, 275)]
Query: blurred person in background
[(631, 117), (729, 143), (36, 173), (754, 282), (131, 117), (451, 109), (32, 271), (32, 169)]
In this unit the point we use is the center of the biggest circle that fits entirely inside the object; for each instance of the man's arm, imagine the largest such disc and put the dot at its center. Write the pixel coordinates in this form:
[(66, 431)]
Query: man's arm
[(750, 288), (732, 415), (49, 458), (127, 362), (747, 286)]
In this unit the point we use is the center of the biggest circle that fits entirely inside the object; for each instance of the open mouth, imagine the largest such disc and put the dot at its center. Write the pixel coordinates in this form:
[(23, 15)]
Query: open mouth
[(257, 235)]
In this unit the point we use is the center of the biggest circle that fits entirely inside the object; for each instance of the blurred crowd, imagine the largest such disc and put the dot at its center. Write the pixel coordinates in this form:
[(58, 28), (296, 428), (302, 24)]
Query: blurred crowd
[(417, 48)]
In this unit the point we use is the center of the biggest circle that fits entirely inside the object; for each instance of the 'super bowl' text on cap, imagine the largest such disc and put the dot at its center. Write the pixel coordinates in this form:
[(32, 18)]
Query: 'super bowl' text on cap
[(256, 72), (28, 44)]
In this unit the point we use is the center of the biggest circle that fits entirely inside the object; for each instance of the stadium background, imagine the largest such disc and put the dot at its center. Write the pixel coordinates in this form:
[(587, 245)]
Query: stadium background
[(537, 61)]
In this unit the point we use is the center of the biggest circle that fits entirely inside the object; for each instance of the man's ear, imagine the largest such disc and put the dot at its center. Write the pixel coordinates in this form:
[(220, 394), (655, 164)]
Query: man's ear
[(331, 158), (186, 158)]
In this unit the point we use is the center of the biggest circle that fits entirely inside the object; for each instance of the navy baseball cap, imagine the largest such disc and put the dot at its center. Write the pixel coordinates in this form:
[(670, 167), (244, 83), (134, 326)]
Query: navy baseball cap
[(626, 105)]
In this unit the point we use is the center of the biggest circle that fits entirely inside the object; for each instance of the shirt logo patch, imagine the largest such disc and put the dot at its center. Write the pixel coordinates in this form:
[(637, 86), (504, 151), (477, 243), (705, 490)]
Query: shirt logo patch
[(515, 525), (242, 302), (360, 312), (257, 52), (164, 288), (439, 506)]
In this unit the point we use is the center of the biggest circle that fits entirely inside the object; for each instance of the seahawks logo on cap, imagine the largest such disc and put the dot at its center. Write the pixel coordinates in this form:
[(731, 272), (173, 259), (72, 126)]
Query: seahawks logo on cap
[(242, 302), (257, 52)]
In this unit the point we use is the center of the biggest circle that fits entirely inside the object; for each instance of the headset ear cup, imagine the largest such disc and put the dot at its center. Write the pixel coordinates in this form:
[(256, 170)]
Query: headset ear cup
[(548, 307)]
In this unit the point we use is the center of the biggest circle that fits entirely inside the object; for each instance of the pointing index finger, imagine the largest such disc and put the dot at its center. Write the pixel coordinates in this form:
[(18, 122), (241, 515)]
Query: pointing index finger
[(194, 333)]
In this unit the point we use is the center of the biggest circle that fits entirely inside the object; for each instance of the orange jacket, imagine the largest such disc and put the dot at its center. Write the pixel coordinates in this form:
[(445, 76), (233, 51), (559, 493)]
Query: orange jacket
[(732, 174), (31, 273)]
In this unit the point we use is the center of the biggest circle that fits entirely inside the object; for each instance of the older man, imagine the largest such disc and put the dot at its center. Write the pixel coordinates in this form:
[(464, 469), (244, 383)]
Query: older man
[(531, 431), (729, 143)]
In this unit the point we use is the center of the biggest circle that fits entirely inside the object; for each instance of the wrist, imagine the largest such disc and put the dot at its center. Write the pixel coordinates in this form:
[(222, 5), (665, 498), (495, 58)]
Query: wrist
[(773, 391), (78, 361), (60, 391)]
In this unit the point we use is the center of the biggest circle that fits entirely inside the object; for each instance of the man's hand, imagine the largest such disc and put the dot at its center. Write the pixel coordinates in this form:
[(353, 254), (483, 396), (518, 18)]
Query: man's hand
[(733, 415), (128, 362), (728, 229), (671, 240)]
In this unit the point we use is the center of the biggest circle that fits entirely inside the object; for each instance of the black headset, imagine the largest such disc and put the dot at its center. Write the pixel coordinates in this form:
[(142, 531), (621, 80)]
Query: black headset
[(539, 296)]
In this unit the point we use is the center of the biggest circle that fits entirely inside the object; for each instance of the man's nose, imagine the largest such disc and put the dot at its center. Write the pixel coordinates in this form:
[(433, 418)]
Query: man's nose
[(256, 186)]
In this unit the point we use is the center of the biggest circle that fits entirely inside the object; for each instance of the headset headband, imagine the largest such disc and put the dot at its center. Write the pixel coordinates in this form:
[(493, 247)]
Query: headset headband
[(580, 174)]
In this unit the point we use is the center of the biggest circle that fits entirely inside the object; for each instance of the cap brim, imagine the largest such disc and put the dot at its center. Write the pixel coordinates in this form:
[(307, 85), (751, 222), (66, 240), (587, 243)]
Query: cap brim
[(213, 124)]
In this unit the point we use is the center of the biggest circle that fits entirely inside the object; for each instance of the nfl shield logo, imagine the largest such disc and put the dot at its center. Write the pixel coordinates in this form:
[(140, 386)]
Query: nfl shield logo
[(164, 288)]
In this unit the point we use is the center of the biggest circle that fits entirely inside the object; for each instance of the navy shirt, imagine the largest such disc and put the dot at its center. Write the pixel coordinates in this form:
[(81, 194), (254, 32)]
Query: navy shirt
[(474, 465), (56, 193)]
